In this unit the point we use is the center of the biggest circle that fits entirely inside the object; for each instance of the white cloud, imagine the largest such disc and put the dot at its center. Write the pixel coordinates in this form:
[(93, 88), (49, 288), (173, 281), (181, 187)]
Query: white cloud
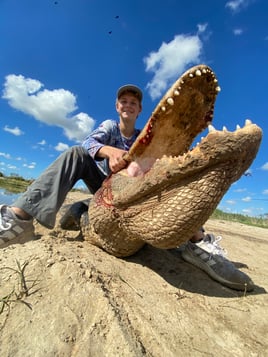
[(265, 166), (6, 156), (61, 147), (42, 142), (30, 166), (15, 131), (246, 199), (237, 32), (230, 202), (52, 107), (11, 167), (238, 5), (170, 61), (202, 27), (265, 192)]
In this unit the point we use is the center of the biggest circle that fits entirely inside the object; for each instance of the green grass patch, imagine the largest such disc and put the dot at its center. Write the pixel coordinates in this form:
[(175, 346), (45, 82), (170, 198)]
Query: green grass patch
[(14, 184), (235, 217)]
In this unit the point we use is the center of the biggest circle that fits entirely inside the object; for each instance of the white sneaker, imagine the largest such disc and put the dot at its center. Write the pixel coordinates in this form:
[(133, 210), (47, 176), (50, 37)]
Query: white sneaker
[(12, 229), (211, 245), (211, 258)]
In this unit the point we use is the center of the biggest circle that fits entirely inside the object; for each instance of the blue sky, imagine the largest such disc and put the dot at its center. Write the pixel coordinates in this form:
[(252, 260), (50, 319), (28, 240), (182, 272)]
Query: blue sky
[(61, 63)]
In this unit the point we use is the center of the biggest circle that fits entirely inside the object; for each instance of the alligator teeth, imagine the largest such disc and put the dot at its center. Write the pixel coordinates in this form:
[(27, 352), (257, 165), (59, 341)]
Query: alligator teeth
[(215, 80), (218, 89), (204, 70), (163, 109), (170, 101), (211, 128), (191, 75), (176, 92), (198, 72)]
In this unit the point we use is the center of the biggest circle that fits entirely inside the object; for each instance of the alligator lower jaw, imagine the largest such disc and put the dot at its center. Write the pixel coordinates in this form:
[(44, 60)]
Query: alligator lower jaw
[(223, 149)]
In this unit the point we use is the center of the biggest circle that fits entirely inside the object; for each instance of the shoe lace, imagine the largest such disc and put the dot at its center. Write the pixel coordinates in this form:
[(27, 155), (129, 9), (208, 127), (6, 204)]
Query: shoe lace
[(4, 224), (212, 243)]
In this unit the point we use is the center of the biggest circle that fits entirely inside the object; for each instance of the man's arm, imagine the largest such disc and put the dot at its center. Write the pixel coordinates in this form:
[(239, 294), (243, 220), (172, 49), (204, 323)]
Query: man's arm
[(115, 156)]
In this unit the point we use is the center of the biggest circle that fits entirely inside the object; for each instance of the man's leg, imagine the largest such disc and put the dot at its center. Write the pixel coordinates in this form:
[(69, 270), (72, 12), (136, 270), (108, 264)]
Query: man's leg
[(45, 195)]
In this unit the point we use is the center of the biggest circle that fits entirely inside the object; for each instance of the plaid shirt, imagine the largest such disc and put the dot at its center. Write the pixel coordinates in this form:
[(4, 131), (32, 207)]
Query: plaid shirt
[(108, 133)]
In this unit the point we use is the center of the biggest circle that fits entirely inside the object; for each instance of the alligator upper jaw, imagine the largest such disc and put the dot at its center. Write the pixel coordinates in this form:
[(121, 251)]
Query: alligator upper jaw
[(184, 112)]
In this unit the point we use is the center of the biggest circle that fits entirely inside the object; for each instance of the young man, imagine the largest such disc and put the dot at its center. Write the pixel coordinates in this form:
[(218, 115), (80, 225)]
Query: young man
[(101, 153)]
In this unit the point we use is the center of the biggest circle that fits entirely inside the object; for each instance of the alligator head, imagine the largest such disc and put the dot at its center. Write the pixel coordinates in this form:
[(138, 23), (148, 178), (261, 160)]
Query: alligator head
[(169, 190)]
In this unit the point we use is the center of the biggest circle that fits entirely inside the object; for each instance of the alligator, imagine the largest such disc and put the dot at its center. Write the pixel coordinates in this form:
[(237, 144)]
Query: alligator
[(171, 187)]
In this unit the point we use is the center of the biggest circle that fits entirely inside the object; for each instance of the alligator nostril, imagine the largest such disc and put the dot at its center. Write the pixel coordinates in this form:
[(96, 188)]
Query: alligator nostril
[(168, 175)]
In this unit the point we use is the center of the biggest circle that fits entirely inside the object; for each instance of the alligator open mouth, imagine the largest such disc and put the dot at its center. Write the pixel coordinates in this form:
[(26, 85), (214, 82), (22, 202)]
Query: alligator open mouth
[(168, 191)]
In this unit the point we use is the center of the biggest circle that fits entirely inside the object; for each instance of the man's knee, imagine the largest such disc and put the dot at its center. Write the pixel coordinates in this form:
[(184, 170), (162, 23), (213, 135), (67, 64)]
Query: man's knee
[(75, 152)]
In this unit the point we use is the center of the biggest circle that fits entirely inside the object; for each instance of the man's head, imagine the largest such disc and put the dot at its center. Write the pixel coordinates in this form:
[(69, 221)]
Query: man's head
[(128, 101), (130, 88)]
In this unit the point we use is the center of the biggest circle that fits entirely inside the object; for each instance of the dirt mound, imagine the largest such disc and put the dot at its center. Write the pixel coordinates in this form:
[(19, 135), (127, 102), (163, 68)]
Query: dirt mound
[(61, 296)]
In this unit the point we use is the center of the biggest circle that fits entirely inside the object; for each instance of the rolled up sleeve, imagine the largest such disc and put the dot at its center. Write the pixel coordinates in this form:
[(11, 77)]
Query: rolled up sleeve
[(98, 138)]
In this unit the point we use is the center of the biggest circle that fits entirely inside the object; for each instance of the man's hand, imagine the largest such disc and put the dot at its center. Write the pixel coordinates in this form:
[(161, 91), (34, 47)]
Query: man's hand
[(115, 156)]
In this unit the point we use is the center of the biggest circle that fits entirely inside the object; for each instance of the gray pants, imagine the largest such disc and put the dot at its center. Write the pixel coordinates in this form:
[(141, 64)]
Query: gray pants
[(44, 196)]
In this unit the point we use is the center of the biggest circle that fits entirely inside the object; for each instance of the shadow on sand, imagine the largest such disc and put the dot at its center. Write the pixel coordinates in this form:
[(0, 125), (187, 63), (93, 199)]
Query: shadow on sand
[(182, 275)]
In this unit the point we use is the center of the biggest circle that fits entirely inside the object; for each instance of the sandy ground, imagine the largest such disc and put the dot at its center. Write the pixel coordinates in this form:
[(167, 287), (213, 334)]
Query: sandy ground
[(61, 296)]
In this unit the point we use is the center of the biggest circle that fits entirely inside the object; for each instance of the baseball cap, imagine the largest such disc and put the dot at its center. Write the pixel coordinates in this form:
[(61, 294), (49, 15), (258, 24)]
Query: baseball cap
[(130, 88)]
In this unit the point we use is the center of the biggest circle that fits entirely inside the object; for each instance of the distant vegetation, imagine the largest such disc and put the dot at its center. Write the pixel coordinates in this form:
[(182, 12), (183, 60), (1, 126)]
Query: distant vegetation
[(14, 183), (235, 217), (17, 184)]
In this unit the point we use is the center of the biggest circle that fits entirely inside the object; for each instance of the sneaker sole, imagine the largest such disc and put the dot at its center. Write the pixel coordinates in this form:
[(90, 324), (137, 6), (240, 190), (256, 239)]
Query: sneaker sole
[(187, 256)]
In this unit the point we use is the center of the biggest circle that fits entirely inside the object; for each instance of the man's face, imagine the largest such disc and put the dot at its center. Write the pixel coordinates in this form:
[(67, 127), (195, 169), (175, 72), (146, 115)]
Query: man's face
[(128, 106)]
